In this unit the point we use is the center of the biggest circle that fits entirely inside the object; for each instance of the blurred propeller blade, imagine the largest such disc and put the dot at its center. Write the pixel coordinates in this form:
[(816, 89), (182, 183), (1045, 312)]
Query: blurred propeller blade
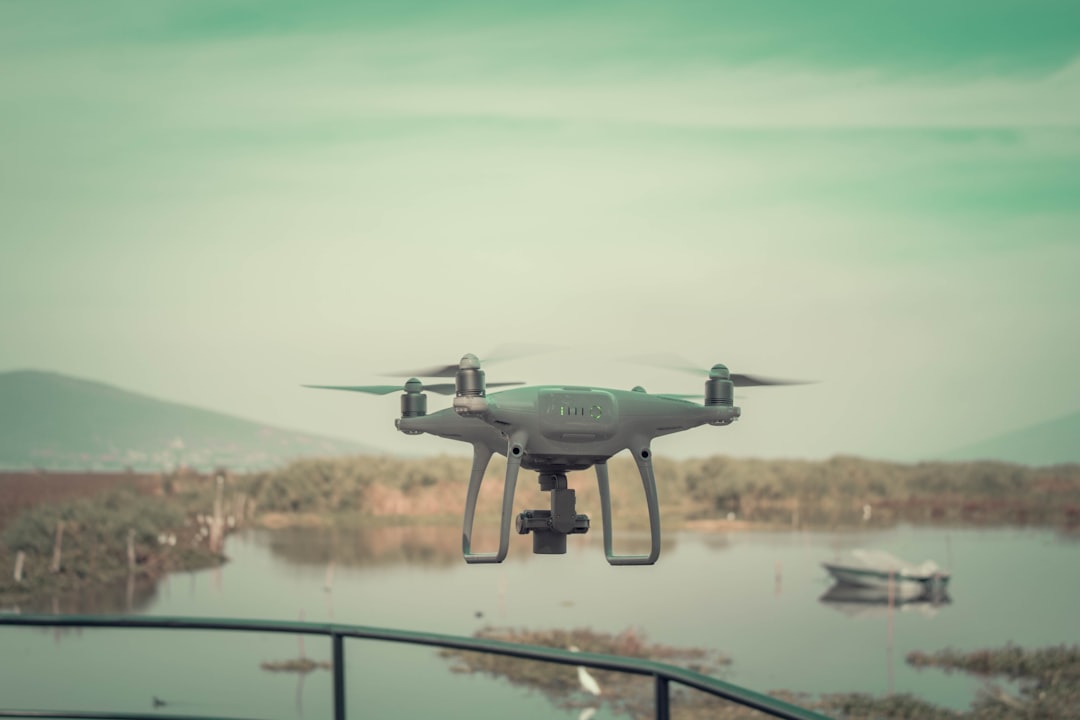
[(668, 361), (451, 388), (369, 389), (513, 351), (440, 388), (502, 353), (690, 396), (741, 380), (503, 384), (432, 371)]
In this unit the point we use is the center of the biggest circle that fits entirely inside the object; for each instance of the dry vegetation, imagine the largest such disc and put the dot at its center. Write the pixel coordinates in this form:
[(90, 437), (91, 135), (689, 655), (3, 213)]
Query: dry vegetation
[(828, 493), (362, 491), (1050, 680), (345, 495), (625, 695), (120, 527)]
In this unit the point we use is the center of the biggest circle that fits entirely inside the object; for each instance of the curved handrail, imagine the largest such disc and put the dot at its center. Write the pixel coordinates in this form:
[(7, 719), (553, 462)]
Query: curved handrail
[(662, 672)]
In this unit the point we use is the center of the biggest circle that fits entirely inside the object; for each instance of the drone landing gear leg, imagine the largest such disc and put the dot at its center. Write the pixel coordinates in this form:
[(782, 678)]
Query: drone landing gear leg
[(481, 457), (643, 458)]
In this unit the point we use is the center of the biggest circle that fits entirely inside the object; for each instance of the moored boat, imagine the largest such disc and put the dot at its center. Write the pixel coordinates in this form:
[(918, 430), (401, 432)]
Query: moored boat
[(879, 570)]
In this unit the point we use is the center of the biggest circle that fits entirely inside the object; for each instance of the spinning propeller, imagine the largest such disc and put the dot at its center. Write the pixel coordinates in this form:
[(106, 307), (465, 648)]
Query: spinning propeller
[(468, 381), (499, 354), (674, 362), (440, 388)]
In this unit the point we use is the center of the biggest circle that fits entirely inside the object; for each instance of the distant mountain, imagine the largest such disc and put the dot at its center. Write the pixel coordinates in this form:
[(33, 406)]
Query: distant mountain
[(54, 421), (1053, 442)]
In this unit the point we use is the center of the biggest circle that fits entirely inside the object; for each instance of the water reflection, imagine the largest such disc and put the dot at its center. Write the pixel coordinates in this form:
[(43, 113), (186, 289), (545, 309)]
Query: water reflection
[(865, 602), (881, 603), (759, 596), (365, 547), (579, 690), (418, 545), (133, 595)]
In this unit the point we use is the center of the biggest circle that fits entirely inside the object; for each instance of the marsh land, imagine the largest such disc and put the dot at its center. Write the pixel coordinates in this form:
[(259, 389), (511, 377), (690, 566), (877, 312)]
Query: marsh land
[(365, 540)]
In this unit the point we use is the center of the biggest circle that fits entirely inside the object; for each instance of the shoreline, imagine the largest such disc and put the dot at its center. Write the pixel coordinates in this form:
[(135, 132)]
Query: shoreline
[(716, 495)]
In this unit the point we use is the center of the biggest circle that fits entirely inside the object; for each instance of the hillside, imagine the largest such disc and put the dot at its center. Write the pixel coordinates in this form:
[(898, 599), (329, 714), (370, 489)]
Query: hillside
[(1053, 442), (53, 421)]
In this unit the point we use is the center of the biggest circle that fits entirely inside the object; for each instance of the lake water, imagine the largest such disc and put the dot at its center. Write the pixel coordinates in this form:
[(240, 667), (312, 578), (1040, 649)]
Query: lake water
[(754, 596)]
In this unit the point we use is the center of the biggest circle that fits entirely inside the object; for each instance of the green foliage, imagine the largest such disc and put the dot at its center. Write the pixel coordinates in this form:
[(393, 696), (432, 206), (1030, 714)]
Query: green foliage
[(102, 521), (314, 486), (825, 491), (721, 484), (338, 484), (94, 546)]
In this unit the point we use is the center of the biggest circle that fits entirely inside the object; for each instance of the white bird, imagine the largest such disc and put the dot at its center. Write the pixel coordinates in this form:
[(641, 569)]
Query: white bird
[(588, 682)]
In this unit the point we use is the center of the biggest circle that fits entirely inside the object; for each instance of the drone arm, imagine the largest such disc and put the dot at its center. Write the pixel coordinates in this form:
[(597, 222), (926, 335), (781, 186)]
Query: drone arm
[(481, 456), (643, 458)]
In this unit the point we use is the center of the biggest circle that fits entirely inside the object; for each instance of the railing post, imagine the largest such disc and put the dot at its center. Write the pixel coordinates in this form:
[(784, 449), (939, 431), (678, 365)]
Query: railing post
[(338, 642), (663, 699)]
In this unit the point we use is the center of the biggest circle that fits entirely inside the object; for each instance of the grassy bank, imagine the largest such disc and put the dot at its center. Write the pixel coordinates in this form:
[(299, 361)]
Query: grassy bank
[(837, 492), (92, 542), (1049, 680), (717, 493)]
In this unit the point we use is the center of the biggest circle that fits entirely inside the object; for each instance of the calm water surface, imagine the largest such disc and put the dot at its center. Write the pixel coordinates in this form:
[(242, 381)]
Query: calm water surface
[(753, 596)]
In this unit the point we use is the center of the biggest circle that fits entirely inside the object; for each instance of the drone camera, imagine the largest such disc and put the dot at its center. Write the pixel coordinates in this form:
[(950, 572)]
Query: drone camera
[(549, 528)]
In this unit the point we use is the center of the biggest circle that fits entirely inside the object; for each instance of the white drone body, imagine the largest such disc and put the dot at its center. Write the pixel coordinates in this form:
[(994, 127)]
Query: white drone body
[(554, 429)]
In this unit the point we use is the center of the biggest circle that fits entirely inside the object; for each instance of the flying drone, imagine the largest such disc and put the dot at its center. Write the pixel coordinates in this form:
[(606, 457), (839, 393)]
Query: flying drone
[(552, 430)]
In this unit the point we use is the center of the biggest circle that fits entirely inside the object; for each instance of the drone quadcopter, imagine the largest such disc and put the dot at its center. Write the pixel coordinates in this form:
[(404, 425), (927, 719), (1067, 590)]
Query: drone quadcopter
[(555, 429)]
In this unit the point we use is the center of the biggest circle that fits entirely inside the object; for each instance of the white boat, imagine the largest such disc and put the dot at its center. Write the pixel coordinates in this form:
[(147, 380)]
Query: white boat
[(877, 570)]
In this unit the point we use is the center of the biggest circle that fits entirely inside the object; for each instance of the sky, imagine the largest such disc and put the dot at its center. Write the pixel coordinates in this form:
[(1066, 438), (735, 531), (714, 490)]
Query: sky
[(216, 202)]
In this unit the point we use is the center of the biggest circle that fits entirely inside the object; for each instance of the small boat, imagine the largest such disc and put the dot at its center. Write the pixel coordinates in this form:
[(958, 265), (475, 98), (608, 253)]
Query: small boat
[(877, 570)]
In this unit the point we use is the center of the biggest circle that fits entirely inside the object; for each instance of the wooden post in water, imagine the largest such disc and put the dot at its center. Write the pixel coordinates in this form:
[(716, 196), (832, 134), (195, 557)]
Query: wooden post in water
[(889, 649), (131, 550), (20, 558), (239, 504), (328, 583), (55, 567), (892, 597), (217, 525)]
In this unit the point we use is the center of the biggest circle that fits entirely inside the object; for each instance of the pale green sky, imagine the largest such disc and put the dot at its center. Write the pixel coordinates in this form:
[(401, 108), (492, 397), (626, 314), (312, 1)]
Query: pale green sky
[(213, 202)]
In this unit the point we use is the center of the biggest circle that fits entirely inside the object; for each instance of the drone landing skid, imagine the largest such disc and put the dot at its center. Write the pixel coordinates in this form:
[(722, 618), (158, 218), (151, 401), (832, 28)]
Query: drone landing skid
[(648, 480), (549, 528)]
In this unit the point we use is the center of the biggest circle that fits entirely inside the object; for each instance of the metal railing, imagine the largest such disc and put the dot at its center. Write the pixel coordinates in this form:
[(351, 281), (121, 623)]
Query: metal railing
[(662, 673)]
